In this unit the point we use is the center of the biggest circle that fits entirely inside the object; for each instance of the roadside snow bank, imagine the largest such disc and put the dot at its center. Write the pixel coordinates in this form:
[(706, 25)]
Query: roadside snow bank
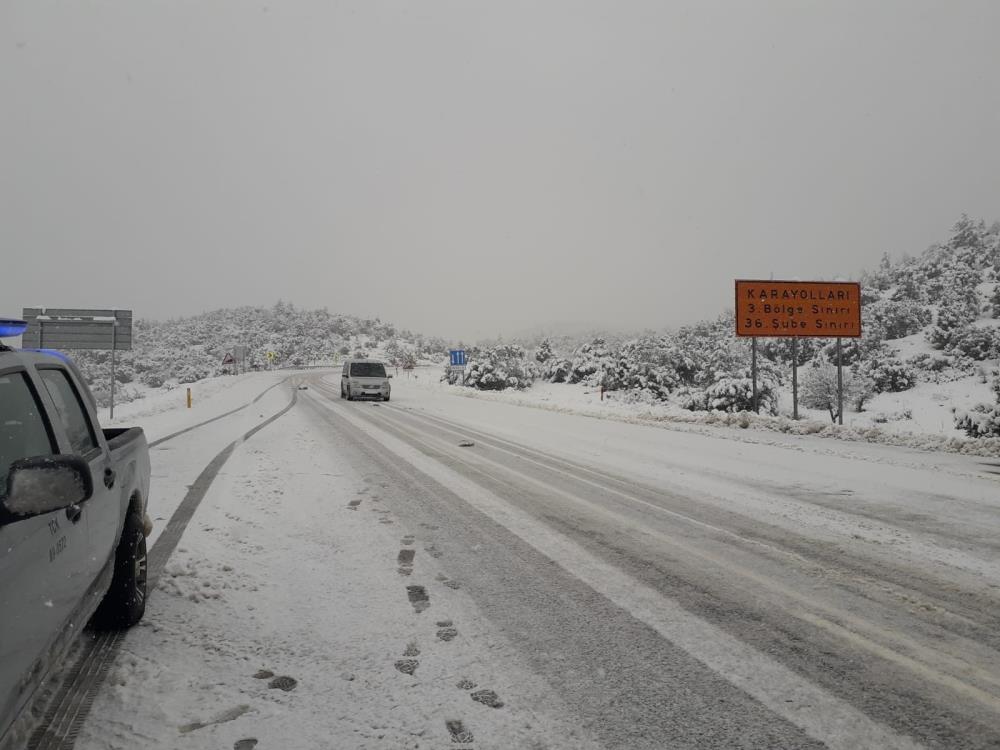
[(586, 401)]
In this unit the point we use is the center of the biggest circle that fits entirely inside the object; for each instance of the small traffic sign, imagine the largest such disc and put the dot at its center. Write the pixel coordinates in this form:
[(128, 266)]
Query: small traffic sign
[(457, 357), (228, 359), (271, 356)]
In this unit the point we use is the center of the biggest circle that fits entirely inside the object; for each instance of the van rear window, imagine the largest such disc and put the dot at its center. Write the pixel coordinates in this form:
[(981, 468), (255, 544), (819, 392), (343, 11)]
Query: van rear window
[(367, 370)]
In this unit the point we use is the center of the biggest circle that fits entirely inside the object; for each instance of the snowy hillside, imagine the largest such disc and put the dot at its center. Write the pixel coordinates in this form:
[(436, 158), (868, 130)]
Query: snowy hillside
[(926, 362), (187, 350)]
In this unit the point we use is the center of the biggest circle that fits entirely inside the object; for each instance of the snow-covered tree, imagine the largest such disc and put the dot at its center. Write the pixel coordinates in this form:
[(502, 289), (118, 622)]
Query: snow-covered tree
[(408, 359), (499, 367), (818, 388), (646, 365), (590, 362), (899, 317), (974, 342), (544, 352), (890, 375), (982, 420)]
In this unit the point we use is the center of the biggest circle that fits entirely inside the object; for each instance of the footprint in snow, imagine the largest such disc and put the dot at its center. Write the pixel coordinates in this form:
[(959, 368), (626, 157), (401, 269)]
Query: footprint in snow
[(487, 698), (407, 666), (446, 634), (418, 598), (283, 683), (458, 731)]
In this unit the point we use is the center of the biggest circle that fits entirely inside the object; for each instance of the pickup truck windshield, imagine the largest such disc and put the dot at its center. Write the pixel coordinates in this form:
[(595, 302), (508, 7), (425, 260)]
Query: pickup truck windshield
[(22, 429), (367, 370)]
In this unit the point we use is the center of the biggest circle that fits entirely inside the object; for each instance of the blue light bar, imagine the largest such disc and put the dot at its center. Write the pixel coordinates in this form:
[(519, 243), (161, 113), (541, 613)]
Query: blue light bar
[(9, 328)]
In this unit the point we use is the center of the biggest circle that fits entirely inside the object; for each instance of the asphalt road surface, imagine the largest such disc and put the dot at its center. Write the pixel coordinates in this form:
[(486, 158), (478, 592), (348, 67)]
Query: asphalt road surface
[(757, 609)]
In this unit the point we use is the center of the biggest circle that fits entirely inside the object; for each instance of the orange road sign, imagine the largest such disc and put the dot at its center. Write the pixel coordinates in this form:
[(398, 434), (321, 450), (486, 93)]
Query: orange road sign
[(798, 308)]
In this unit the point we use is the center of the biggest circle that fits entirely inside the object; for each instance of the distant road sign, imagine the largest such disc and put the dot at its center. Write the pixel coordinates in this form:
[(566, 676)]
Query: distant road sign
[(70, 328), (229, 359), (457, 357), (271, 356), (798, 308)]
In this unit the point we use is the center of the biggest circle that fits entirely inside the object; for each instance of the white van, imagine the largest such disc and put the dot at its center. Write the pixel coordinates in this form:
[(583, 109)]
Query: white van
[(364, 378)]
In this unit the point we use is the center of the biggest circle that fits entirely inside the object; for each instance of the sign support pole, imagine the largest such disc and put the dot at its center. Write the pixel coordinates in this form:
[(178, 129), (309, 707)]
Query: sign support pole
[(114, 345), (840, 383), (795, 378), (753, 371)]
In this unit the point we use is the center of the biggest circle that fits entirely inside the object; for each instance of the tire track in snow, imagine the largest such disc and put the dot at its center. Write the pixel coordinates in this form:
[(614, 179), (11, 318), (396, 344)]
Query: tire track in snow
[(65, 716)]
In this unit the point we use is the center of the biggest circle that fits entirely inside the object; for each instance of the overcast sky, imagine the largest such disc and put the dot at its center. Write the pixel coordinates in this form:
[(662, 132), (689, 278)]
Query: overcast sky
[(471, 169)]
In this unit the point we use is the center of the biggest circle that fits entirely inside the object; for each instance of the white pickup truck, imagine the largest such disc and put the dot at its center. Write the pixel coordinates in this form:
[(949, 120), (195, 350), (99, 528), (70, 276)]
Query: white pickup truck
[(73, 521)]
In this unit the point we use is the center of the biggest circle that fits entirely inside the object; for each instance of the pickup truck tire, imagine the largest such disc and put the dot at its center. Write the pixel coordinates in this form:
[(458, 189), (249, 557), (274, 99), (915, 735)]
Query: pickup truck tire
[(385, 398), (125, 602)]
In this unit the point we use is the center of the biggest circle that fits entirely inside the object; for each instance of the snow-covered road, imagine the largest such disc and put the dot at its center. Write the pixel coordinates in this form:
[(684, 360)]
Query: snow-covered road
[(610, 584)]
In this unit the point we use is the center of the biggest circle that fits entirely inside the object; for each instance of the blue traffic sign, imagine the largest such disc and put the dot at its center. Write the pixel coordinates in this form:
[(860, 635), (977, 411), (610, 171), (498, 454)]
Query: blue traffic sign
[(457, 357)]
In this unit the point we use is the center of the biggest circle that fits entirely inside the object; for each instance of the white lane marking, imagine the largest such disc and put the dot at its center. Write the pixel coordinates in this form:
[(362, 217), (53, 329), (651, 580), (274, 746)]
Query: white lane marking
[(817, 712)]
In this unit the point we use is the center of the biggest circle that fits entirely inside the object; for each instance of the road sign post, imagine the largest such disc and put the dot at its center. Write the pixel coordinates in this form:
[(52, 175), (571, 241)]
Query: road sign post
[(840, 383), (795, 379), (753, 373), (69, 328), (114, 347), (240, 357)]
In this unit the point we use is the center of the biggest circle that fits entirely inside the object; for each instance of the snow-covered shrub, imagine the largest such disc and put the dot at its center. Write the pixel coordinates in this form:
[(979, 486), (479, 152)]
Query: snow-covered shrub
[(896, 416), (929, 363), (645, 365), (974, 342), (780, 350), (153, 379), (192, 372), (995, 301), (982, 420), (498, 368), (408, 359), (544, 352), (123, 395), (732, 393), (590, 362), (559, 370), (735, 394), (861, 389), (818, 388), (393, 352), (957, 309), (891, 375), (900, 318)]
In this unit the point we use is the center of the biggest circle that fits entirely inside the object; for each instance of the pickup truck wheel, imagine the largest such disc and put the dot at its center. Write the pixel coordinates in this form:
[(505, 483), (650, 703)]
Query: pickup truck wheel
[(125, 602), (350, 397), (385, 397)]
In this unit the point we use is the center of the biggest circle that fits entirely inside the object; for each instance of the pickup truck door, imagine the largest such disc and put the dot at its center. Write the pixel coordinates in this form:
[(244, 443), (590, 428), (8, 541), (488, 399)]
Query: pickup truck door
[(42, 576), (103, 511)]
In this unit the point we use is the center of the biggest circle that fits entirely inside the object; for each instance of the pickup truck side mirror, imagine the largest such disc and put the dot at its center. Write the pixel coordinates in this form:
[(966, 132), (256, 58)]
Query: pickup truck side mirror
[(41, 485)]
